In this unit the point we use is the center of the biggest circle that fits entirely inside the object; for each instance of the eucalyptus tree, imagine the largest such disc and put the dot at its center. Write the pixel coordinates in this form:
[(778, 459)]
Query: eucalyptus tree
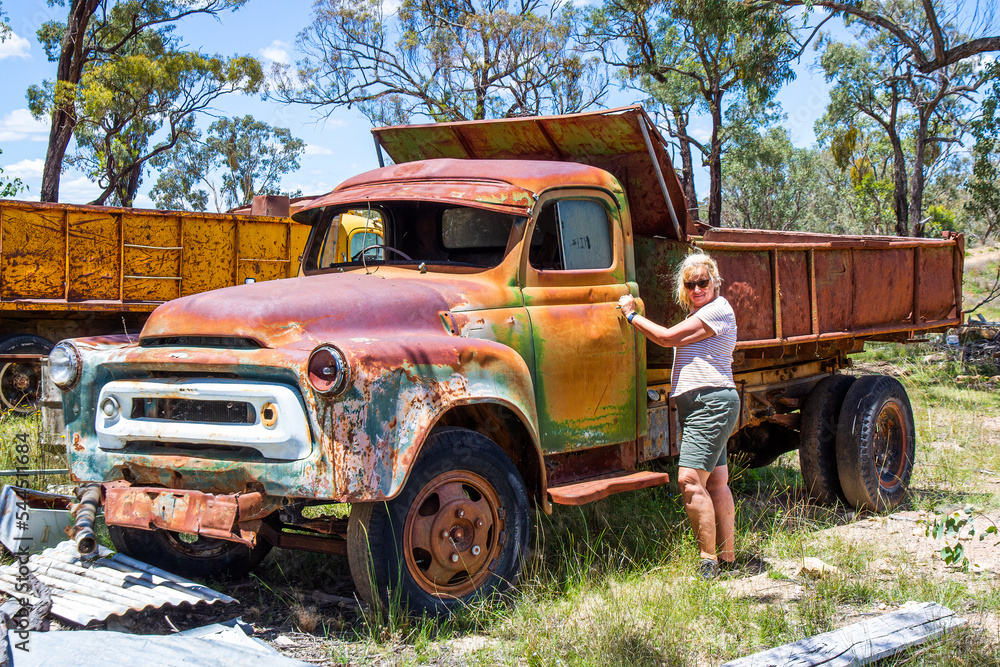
[(984, 183), (768, 183), (444, 61), (720, 49), (238, 159), (934, 33), (95, 32), (920, 114)]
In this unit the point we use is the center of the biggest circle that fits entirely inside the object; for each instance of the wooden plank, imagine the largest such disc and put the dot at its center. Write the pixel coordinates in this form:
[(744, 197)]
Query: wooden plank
[(860, 643)]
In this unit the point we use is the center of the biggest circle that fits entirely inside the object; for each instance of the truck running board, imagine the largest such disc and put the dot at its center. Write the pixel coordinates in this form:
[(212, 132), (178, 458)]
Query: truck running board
[(590, 490)]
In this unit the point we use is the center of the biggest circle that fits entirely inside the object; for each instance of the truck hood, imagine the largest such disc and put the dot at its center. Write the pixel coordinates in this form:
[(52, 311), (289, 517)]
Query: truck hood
[(318, 308)]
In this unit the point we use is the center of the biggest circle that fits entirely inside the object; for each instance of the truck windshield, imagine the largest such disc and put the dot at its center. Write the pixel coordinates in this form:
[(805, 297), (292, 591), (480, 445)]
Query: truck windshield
[(426, 233)]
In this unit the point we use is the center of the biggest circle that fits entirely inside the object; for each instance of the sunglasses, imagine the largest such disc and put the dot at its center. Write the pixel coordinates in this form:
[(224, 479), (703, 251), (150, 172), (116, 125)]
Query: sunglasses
[(703, 283)]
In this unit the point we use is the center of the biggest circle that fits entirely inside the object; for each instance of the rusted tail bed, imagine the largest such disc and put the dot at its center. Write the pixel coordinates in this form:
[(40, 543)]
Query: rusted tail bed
[(802, 295)]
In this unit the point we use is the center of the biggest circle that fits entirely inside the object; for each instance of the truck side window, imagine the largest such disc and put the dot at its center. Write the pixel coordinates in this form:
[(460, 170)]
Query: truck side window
[(571, 234)]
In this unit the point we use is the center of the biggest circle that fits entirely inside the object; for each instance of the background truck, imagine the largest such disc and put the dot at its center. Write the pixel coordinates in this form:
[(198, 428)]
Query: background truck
[(480, 366)]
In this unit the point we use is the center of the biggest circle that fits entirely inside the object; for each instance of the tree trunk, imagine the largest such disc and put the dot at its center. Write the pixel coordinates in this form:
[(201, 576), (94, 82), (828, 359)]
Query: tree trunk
[(687, 164), (715, 166), (900, 201), (72, 58)]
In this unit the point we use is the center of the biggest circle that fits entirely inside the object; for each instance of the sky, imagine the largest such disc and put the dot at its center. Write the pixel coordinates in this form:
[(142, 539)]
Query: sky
[(337, 146)]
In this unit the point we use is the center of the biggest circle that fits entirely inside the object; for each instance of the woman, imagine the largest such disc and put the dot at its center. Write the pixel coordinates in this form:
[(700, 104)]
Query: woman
[(707, 402)]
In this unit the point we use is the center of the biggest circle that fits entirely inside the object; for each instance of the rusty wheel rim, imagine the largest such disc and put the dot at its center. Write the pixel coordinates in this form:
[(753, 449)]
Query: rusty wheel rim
[(890, 446), (19, 386), (453, 534)]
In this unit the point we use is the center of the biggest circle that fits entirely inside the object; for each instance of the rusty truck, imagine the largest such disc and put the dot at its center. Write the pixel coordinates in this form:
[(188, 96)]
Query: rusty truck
[(479, 368)]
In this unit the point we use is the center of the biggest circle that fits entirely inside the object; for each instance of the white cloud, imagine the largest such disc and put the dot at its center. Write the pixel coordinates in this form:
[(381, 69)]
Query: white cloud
[(15, 46), (18, 125), (277, 52), (25, 169), (309, 188), (79, 190), (313, 149)]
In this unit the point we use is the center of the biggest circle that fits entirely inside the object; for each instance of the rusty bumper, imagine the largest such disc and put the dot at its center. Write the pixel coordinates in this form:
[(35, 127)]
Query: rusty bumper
[(234, 517)]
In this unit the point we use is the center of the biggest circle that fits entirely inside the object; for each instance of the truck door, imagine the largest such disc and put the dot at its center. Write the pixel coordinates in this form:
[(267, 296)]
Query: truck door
[(573, 272)]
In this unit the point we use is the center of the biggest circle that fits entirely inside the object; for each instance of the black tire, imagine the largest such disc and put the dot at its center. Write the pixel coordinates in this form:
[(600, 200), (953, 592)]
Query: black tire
[(456, 533), (21, 382), (875, 443), (188, 556), (818, 438)]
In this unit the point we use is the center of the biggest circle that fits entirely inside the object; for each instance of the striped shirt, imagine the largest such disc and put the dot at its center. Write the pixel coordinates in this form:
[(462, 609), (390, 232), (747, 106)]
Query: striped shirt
[(709, 362)]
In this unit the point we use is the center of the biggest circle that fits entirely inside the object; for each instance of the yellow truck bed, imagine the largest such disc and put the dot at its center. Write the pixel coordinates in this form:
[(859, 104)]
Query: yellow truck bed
[(59, 257)]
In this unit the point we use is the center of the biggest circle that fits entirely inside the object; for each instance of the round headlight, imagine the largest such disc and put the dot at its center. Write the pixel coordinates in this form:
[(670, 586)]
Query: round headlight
[(328, 369), (64, 365)]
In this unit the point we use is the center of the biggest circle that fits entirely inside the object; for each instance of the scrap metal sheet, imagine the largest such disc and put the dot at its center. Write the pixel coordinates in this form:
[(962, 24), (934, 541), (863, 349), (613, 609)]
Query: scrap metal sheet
[(212, 646), (87, 590)]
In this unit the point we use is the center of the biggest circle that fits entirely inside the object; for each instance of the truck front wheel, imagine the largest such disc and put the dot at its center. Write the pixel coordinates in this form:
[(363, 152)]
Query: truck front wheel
[(875, 443), (191, 556), (457, 532), (818, 442)]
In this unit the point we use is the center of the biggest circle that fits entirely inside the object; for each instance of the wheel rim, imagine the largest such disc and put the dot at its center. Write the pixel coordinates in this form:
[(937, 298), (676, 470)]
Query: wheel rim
[(890, 446), (453, 534), (19, 385)]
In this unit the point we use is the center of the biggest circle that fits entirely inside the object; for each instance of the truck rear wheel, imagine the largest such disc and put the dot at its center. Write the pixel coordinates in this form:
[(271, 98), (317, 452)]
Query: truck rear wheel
[(818, 443), (20, 381), (875, 443), (456, 533), (188, 555)]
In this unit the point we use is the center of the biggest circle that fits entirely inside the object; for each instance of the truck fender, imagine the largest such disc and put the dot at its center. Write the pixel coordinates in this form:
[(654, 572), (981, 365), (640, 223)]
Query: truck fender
[(397, 396)]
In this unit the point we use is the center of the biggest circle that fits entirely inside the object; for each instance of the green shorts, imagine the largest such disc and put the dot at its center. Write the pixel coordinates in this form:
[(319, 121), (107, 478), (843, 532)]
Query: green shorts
[(708, 417)]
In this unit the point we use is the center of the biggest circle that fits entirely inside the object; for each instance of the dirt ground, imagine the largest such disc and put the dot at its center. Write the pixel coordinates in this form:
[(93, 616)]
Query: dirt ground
[(978, 257)]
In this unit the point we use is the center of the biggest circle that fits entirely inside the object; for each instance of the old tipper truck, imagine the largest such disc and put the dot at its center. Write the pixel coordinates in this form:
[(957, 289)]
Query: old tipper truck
[(477, 367)]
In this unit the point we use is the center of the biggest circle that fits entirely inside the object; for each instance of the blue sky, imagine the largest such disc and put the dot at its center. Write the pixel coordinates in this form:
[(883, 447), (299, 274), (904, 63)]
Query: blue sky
[(338, 146)]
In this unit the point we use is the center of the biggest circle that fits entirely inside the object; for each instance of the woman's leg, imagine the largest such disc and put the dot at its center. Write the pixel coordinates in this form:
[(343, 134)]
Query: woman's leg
[(700, 508), (725, 512)]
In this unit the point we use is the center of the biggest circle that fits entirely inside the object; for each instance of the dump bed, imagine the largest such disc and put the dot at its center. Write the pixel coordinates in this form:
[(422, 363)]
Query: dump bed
[(59, 258)]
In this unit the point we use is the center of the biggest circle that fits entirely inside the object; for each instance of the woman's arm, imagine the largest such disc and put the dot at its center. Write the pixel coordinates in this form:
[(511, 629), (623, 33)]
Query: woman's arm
[(690, 330)]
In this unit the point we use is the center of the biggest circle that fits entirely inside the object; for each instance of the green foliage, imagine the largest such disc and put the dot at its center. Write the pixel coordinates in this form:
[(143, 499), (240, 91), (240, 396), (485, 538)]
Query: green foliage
[(895, 120), (726, 53), (10, 187), (250, 155), (443, 61), (950, 529), (984, 185), (122, 77), (767, 182)]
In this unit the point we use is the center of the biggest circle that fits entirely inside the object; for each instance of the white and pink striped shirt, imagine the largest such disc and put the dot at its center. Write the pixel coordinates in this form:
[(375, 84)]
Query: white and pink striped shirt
[(709, 362)]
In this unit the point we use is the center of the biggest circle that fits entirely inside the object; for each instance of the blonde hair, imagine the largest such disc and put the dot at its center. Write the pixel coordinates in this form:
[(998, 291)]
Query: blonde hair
[(690, 265)]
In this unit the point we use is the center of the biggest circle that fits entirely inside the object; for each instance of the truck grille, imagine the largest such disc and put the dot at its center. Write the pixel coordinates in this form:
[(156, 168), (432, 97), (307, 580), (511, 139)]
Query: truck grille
[(187, 410), (217, 414)]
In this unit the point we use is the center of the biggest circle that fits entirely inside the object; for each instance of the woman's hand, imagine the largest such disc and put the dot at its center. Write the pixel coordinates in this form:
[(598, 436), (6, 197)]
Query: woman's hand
[(627, 304)]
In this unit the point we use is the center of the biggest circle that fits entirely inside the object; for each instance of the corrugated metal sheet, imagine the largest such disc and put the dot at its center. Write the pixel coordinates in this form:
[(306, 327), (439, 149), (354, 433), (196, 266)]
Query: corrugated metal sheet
[(86, 590)]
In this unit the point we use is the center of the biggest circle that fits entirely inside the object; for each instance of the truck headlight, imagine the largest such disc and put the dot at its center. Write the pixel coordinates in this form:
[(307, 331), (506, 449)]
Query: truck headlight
[(64, 365), (328, 369)]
